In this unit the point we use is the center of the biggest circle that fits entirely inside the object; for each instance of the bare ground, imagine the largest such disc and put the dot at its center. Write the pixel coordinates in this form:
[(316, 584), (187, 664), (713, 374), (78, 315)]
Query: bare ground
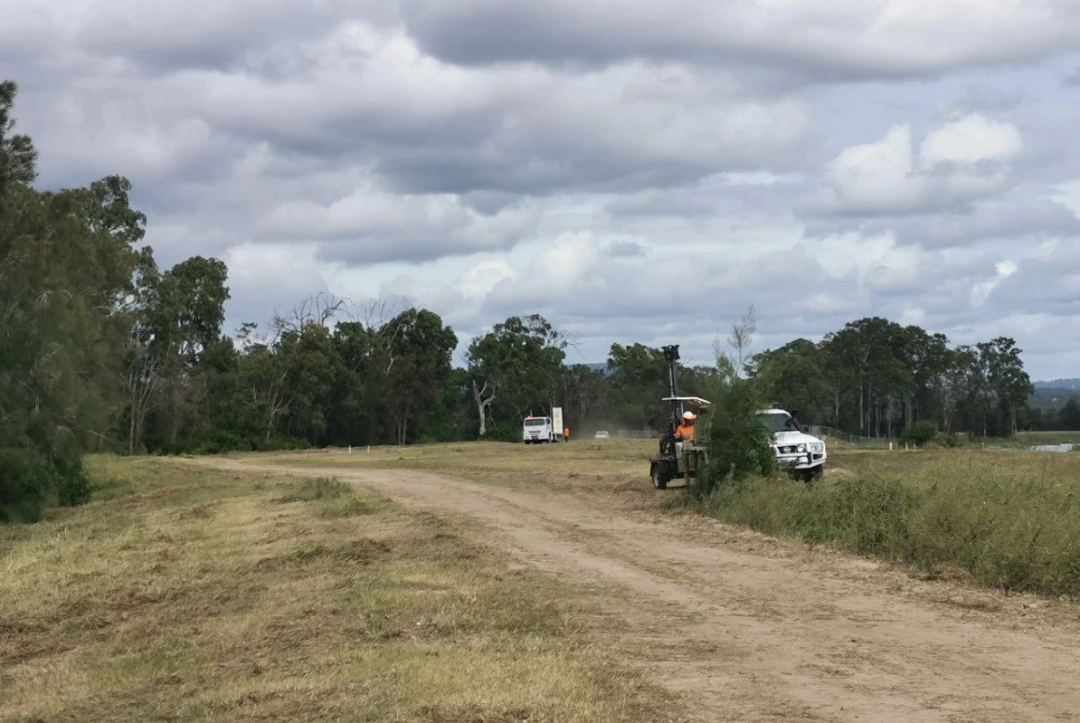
[(748, 628)]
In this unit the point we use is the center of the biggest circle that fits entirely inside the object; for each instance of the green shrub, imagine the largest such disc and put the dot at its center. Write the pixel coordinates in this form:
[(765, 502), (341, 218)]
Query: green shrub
[(24, 485), (287, 444), (739, 443), (30, 482), (952, 441), (921, 431), (508, 431)]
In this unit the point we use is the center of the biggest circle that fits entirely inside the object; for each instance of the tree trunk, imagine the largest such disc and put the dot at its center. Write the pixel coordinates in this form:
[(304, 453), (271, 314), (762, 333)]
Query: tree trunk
[(131, 433), (862, 413), (482, 405)]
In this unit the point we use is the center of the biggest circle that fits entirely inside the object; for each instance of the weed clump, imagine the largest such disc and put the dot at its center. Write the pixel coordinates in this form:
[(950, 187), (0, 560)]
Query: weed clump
[(320, 488)]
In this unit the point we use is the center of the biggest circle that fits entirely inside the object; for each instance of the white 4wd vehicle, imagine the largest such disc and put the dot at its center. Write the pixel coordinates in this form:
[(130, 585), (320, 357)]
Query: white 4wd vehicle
[(800, 453)]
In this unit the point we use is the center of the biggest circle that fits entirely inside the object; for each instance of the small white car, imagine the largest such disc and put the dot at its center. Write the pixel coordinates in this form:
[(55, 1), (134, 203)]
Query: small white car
[(601, 435), (800, 453)]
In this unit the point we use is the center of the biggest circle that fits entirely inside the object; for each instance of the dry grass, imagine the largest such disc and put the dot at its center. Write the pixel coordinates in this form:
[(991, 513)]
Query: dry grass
[(608, 466), (185, 594)]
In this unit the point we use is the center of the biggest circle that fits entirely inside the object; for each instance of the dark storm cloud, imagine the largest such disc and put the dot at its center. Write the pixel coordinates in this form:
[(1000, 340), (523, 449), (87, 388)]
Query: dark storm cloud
[(837, 42), (1023, 217)]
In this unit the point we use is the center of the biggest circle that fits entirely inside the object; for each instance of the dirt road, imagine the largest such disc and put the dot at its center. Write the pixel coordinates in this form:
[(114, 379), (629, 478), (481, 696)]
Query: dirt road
[(748, 628)]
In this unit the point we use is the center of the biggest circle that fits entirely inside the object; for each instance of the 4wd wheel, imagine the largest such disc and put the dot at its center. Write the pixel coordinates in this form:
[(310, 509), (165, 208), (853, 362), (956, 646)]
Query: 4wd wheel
[(812, 475), (660, 477)]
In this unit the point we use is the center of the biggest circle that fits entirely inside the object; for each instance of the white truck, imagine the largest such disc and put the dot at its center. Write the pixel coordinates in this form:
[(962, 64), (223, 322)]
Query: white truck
[(538, 430), (800, 453)]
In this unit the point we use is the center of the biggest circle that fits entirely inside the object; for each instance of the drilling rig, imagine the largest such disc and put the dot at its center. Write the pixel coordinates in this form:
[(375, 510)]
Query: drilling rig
[(679, 458)]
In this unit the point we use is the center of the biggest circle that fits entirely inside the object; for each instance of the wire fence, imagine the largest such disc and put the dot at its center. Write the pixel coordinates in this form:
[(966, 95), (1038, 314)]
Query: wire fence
[(636, 434), (826, 433), (829, 433)]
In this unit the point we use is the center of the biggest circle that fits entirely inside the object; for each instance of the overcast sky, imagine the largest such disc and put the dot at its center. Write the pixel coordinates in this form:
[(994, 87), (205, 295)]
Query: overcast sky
[(635, 171)]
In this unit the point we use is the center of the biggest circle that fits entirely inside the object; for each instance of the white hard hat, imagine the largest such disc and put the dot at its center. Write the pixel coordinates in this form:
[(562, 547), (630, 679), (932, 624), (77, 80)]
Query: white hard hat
[(689, 415)]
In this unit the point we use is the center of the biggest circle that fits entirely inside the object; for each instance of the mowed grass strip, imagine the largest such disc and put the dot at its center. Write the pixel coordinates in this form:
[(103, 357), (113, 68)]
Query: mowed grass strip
[(184, 594)]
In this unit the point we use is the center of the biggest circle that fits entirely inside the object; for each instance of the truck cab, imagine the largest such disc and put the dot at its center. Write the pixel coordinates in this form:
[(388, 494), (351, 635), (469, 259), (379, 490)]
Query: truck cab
[(537, 430), (800, 453)]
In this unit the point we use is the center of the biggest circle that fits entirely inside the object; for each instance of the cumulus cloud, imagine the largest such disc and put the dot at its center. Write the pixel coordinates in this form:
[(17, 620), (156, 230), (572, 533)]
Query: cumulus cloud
[(972, 139), (960, 161), (598, 165)]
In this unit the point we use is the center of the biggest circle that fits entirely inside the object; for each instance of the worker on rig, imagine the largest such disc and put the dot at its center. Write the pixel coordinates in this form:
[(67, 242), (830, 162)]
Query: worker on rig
[(685, 431)]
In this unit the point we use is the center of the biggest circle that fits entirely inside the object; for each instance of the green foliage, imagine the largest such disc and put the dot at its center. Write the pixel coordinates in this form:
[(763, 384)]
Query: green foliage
[(795, 376), (638, 382), (515, 368), (739, 443), (1005, 527), (18, 158), (1068, 417), (66, 264), (24, 485), (921, 432), (73, 487), (420, 348), (875, 377), (505, 431)]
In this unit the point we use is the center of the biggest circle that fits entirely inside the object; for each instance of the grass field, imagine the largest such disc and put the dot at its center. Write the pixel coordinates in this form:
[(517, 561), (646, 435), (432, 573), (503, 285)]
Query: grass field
[(186, 594), (183, 594), (1007, 519)]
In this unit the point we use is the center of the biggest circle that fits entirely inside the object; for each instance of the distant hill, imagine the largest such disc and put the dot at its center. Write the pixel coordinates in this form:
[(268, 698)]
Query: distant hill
[(1073, 384), (1053, 394)]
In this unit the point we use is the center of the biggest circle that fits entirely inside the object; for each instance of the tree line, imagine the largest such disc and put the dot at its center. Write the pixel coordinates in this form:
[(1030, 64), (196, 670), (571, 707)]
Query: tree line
[(875, 377), (1066, 418), (102, 350)]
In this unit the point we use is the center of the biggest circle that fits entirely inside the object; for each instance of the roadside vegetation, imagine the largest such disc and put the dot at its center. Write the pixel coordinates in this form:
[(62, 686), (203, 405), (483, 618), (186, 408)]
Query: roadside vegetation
[(1007, 520), (185, 594)]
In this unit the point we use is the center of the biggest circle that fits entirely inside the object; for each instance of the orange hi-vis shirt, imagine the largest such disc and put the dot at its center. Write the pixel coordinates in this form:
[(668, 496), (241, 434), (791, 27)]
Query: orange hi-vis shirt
[(685, 432)]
